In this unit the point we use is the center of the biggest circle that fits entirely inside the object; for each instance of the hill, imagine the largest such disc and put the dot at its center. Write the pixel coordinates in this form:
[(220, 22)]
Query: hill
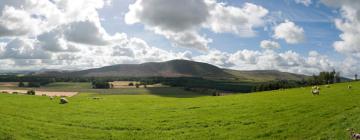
[(283, 114), (265, 75), (177, 68)]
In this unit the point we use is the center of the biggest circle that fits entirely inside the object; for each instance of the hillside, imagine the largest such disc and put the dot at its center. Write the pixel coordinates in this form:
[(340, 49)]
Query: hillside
[(178, 68), (284, 114), (264, 75)]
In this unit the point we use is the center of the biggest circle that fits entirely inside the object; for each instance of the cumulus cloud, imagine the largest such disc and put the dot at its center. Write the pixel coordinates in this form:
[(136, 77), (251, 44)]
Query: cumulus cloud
[(14, 22), (304, 2), (171, 15), (349, 25), (176, 20), (54, 41), (85, 32), (290, 32), (240, 21), (268, 44), (24, 17), (180, 21), (20, 48)]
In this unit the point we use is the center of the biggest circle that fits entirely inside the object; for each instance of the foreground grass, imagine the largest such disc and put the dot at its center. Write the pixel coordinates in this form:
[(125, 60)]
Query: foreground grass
[(287, 114)]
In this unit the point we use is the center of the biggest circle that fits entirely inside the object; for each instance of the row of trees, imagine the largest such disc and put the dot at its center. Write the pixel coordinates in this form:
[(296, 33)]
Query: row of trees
[(101, 84), (32, 84), (321, 79)]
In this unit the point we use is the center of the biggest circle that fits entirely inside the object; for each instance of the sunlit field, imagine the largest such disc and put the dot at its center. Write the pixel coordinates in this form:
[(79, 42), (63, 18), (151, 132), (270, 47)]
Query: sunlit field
[(282, 114)]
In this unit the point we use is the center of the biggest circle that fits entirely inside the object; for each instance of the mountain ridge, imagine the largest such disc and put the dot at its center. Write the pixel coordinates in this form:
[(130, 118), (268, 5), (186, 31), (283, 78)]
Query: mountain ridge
[(177, 68)]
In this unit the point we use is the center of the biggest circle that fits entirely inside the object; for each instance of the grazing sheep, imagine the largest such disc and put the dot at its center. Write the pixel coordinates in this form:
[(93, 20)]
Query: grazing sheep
[(315, 88), (349, 87), (52, 97), (315, 92), (353, 135), (63, 100)]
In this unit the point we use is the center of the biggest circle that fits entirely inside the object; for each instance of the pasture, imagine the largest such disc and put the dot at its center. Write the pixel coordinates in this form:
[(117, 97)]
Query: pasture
[(175, 114)]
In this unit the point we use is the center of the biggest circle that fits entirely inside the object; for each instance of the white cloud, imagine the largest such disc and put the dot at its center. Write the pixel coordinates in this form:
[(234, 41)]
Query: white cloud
[(174, 19), (180, 21), (14, 22), (21, 48), (171, 15), (268, 44), (304, 2), (290, 32), (349, 25), (54, 41), (32, 17), (85, 32), (240, 21)]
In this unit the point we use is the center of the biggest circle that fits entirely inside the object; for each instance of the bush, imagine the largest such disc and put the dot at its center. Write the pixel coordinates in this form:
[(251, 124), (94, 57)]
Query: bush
[(21, 84), (34, 84), (101, 85), (30, 92), (131, 84)]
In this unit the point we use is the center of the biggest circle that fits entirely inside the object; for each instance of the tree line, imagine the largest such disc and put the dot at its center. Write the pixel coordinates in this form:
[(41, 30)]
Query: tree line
[(324, 77)]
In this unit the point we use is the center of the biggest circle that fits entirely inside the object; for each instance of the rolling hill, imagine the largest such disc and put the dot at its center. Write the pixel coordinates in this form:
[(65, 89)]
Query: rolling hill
[(178, 68)]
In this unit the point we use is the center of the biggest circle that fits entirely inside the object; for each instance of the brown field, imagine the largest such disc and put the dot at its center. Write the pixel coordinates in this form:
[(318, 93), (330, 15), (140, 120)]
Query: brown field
[(125, 84), (41, 93), (8, 84)]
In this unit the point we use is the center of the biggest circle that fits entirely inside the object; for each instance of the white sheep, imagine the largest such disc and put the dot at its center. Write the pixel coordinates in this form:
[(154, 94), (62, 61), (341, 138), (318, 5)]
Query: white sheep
[(353, 135), (63, 100), (315, 92), (349, 87)]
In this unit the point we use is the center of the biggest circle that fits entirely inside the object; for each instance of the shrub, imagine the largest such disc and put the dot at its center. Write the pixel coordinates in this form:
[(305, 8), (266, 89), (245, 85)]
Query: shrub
[(30, 92), (21, 84), (131, 84), (101, 85)]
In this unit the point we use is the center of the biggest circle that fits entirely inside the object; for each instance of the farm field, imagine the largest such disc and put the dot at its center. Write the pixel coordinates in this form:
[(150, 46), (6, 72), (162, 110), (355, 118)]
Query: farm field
[(174, 114)]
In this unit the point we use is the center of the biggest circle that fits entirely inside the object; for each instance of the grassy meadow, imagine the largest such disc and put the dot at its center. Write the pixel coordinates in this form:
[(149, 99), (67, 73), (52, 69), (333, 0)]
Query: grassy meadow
[(171, 113)]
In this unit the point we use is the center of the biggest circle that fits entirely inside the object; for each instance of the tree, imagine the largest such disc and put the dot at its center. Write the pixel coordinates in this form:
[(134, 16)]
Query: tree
[(131, 84), (30, 92), (21, 84), (101, 84), (337, 77), (356, 77)]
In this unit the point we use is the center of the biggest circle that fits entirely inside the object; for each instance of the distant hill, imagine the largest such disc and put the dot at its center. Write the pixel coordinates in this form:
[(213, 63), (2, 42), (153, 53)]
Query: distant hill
[(178, 68), (264, 75)]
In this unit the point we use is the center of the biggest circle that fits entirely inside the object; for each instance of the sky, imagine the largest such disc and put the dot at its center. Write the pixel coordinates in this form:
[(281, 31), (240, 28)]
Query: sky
[(298, 36)]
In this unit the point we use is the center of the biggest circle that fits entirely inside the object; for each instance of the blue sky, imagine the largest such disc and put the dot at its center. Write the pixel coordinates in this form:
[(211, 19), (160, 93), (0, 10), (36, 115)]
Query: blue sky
[(300, 36)]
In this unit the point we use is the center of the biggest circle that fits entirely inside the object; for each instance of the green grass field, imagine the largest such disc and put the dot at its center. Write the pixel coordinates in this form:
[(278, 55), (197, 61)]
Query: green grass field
[(284, 114)]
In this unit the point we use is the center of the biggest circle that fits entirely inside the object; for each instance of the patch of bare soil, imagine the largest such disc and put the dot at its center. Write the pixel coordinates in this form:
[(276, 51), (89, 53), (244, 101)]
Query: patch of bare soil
[(41, 93)]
